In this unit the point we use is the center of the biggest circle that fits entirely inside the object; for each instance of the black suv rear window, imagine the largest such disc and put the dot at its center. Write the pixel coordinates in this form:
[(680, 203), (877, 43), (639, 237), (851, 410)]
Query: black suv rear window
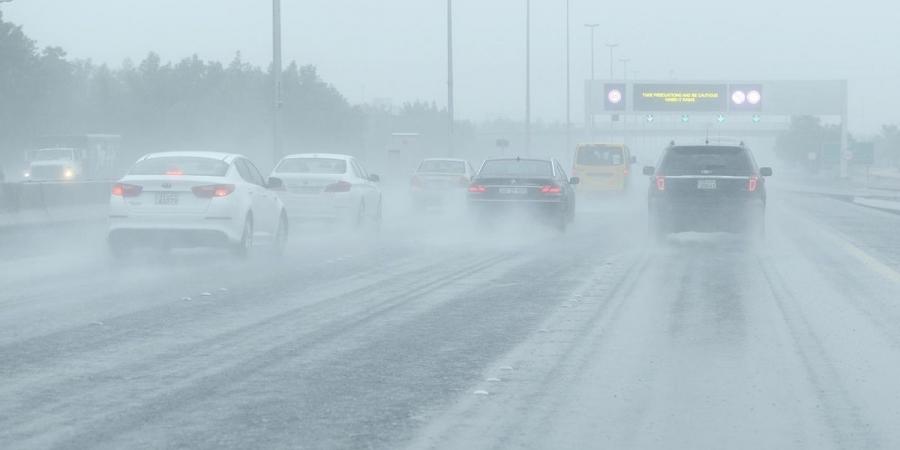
[(706, 160)]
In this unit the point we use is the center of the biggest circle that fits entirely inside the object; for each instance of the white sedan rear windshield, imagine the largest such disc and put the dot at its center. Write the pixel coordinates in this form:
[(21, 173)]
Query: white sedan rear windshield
[(181, 165), (313, 165)]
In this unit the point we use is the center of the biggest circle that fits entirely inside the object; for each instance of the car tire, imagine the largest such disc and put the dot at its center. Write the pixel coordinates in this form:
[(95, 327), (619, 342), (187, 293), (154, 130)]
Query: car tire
[(562, 222), (656, 231), (119, 250), (379, 215), (243, 248), (281, 235), (360, 220)]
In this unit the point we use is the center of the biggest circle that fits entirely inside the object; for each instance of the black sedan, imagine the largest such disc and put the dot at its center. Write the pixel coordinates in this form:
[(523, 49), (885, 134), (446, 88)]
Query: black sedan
[(536, 187), (707, 188)]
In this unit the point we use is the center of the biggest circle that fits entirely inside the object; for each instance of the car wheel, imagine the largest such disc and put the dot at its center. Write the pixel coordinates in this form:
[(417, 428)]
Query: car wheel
[(281, 236), (562, 222), (243, 248), (119, 250), (379, 215), (758, 227), (655, 230), (360, 220)]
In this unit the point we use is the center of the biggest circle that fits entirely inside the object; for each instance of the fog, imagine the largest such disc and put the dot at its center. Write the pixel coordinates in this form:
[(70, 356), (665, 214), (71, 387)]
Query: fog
[(708, 259), (366, 50)]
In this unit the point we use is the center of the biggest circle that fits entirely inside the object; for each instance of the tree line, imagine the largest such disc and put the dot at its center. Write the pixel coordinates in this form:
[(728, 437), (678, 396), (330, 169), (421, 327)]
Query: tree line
[(188, 104)]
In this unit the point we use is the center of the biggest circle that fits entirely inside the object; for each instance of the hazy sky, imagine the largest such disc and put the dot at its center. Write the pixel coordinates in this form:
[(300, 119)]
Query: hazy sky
[(397, 48)]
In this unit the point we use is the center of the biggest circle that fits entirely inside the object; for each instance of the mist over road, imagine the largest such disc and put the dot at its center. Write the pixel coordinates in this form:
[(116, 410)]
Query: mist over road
[(436, 333)]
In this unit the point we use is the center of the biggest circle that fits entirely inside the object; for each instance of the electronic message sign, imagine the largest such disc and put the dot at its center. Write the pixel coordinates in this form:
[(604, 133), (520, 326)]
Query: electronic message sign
[(680, 97)]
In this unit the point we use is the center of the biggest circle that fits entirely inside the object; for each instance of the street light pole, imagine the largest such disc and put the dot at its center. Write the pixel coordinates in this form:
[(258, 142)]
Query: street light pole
[(450, 112), (611, 46), (568, 77), (624, 62), (625, 117), (589, 108), (527, 77), (276, 76)]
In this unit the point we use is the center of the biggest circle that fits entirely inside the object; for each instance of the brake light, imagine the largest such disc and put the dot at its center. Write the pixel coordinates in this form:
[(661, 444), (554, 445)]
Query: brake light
[(126, 190), (551, 189), (213, 190), (752, 183), (340, 186), (174, 171), (660, 183), (477, 188)]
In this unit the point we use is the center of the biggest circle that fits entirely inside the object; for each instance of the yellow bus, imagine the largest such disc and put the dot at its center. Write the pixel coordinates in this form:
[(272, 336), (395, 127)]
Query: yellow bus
[(602, 167)]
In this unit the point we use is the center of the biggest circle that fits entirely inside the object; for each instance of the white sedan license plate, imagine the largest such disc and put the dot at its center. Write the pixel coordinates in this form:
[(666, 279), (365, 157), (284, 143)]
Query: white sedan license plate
[(706, 184), (166, 198), (514, 190)]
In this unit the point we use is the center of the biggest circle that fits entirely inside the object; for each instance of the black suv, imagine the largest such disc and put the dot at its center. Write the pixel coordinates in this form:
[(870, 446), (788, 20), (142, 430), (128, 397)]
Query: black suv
[(707, 188)]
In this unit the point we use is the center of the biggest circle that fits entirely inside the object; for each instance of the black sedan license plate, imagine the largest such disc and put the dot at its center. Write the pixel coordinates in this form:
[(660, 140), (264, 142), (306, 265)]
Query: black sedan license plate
[(514, 190), (166, 198)]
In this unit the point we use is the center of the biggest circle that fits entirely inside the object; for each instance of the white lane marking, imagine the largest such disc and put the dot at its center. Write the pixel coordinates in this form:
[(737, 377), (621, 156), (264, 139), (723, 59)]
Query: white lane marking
[(493, 380), (207, 294), (186, 299), (861, 255), (481, 392)]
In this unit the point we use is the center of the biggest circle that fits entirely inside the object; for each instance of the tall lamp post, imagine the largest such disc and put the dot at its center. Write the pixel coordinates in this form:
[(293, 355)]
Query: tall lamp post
[(527, 77), (568, 77), (611, 47), (625, 116), (450, 113), (276, 77), (590, 97)]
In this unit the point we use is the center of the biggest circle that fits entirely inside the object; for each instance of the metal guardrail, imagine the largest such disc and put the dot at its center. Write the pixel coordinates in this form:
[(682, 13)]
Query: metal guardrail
[(41, 201), (883, 180)]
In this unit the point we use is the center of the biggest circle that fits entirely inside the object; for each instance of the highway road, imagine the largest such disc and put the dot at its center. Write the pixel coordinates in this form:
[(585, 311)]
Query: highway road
[(434, 333)]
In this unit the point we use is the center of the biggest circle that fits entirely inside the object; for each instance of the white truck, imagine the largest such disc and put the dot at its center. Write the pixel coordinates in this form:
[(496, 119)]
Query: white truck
[(66, 158)]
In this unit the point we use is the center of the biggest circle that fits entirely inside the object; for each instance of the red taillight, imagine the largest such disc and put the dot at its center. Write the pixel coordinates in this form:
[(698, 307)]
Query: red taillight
[(416, 182), (126, 190), (340, 186), (213, 190), (477, 188), (752, 184), (174, 171), (660, 183), (551, 189)]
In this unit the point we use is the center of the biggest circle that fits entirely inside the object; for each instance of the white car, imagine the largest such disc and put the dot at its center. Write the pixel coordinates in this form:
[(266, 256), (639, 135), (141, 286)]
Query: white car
[(440, 181), (190, 199), (330, 187)]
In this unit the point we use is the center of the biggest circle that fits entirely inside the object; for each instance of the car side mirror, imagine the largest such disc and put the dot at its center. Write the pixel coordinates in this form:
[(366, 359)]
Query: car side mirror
[(574, 180), (634, 159), (374, 178), (765, 171), (275, 184), (649, 170)]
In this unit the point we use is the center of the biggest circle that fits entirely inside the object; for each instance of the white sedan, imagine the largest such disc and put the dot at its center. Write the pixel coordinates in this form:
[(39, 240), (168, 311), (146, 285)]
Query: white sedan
[(329, 186), (190, 199)]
